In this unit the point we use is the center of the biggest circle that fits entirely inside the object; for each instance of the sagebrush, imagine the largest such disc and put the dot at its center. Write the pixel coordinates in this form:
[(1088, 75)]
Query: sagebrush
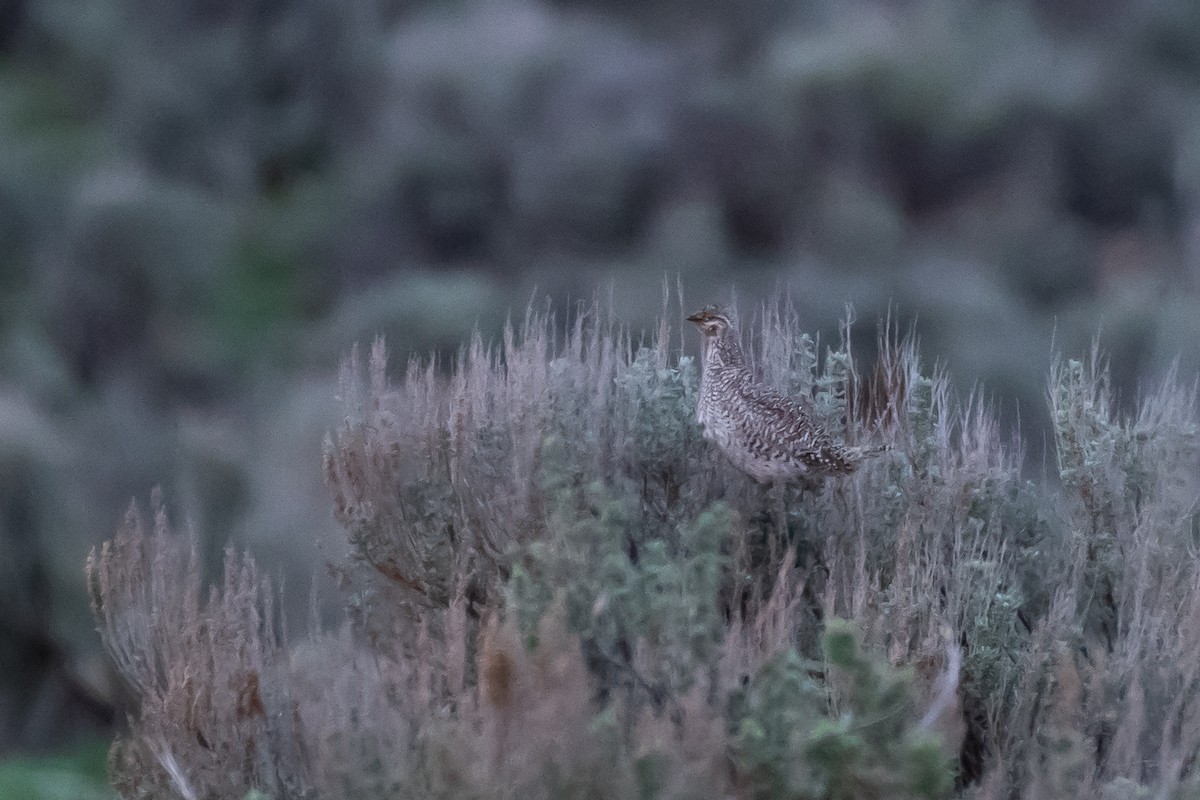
[(557, 588)]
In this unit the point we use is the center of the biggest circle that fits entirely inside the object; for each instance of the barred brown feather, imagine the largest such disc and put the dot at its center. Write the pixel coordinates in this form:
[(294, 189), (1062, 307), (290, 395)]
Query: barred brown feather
[(767, 435)]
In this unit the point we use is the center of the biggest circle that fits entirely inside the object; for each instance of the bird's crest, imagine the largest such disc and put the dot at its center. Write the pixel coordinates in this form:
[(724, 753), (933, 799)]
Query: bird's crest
[(711, 319)]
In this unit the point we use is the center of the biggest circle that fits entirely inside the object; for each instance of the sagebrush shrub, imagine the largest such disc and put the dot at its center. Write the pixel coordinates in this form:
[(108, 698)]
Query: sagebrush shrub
[(556, 588)]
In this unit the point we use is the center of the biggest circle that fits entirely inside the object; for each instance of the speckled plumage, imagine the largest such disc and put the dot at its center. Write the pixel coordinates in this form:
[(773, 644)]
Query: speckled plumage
[(766, 434)]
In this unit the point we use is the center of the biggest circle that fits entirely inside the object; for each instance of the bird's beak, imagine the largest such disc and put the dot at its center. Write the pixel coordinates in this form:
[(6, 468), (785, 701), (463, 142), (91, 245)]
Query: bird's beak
[(697, 318)]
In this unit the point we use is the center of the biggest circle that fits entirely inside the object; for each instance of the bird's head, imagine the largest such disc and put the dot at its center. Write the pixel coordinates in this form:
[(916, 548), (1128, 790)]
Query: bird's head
[(711, 320)]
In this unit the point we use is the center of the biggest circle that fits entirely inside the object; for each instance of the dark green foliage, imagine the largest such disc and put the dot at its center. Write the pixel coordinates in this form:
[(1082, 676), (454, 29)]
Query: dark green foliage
[(871, 746), (851, 735), (621, 585), (770, 717), (76, 774)]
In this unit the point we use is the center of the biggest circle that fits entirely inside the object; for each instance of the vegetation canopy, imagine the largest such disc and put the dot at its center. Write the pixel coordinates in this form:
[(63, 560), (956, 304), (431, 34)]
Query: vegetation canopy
[(557, 588)]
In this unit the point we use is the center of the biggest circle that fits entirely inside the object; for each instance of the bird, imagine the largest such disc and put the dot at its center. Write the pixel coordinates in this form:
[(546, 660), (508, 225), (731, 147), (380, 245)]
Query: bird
[(769, 436)]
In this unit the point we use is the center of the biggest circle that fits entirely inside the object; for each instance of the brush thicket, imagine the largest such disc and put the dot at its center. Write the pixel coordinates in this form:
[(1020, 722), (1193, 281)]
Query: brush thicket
[(557, 588)]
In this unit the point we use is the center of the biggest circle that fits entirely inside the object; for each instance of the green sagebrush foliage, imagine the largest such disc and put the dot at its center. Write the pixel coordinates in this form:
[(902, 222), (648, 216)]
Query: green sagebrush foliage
[(557, 588), (842, 728), (621, 584), (643, 566)]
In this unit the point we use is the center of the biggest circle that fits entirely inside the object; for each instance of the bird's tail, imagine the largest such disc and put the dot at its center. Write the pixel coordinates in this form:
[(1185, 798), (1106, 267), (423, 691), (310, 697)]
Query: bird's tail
[(860, 452)]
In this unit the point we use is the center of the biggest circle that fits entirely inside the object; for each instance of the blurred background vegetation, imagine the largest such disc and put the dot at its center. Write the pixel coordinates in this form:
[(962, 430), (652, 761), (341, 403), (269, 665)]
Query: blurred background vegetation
[(203, 203)]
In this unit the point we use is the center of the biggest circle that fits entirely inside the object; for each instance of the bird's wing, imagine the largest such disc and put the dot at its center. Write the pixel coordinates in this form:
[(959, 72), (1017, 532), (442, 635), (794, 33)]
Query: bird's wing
[(785, 418), (789, 426)]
